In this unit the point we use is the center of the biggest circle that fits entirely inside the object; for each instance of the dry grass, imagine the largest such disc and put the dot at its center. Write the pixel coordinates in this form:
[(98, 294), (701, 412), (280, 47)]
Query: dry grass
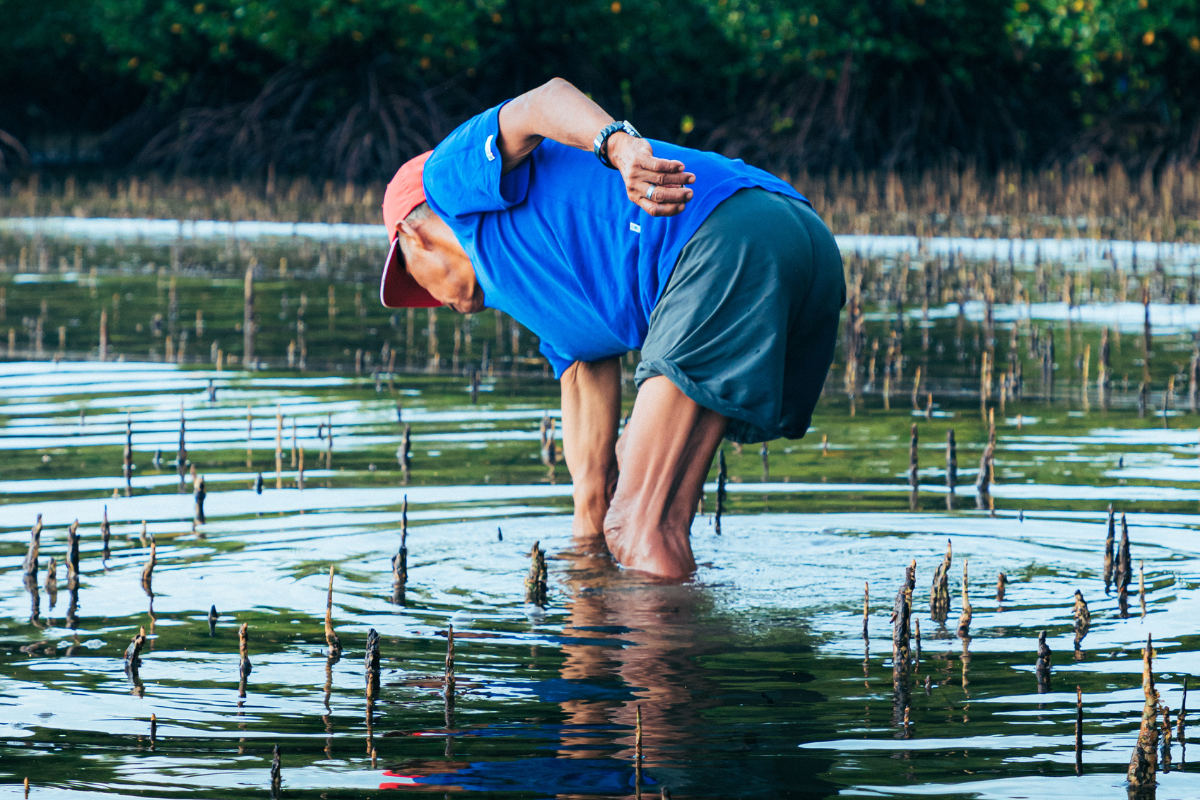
[(945, 202)]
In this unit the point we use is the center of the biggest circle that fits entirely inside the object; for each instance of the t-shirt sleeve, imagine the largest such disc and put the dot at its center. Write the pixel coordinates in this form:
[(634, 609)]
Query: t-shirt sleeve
[(464, 174), (558, 362)]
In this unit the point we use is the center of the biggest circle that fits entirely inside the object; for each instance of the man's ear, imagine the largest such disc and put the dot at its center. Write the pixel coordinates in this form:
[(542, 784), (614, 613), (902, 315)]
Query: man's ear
[(414, 237)]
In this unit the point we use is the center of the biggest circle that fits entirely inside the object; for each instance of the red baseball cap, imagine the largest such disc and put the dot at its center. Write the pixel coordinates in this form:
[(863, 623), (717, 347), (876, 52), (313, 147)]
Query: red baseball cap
[(398, 289)]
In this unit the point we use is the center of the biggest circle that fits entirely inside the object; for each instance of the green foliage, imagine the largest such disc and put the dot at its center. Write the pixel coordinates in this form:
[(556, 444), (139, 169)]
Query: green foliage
[(694, 64)]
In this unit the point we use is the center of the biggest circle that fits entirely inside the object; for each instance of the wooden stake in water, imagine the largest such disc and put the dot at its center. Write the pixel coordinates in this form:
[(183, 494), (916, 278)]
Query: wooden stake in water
[(866, 608), (1142, 586), (331, 638), (913, 480), (200, 493), (400, 560), (371, 665), (1124, 569), (213, 616), (404, 453), (148, 570), (1165, 738), (244, 666), (276, 774), (105, 533), (293, 442), (127, 460), (181, 457), (637, 736), (939, 596), (449, 665), (1179, 729), (300, 469), (1108, 549), (964, 619), (153, 730), (983, 498), (248, 331), (722, 476), (73, 556), (535, 581), (278, 446), (951, 469), (1078, 731), (1143, 766), (1083, 618), (1042, 668), (133, 653), (1001, 583), (30, 567)]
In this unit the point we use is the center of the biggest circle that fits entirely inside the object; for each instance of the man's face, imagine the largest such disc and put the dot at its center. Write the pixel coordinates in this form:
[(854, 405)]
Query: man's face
[(435, 259)]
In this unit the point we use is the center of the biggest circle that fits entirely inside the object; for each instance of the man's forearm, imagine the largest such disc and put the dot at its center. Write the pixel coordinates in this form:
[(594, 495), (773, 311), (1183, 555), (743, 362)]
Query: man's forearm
[(555, 110)]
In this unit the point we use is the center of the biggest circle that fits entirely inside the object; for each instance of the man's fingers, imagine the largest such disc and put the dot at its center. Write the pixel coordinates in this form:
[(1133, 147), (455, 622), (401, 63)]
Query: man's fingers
[(659, 209), (667, 194), (652, 164)]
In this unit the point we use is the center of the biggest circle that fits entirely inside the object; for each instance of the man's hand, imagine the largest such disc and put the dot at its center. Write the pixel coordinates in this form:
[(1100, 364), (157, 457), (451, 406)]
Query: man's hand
[(663, 180)]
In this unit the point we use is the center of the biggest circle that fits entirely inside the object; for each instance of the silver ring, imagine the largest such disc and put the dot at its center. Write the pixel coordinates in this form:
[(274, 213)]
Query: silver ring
[(650, 192)]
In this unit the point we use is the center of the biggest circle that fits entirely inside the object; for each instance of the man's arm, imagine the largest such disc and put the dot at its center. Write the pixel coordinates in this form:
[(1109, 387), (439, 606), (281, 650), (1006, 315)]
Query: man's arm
[(591, 409), (558, 111)]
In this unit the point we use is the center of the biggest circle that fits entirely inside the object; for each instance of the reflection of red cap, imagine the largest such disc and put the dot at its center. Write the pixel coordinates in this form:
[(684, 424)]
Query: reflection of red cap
[(398, 289)]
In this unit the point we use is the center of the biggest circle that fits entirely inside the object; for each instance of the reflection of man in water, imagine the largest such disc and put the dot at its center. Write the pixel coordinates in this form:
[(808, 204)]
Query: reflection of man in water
[(601, 242), (629, 642)]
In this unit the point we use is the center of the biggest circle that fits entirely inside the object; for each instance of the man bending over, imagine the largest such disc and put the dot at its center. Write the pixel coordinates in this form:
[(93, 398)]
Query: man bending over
[(600, 242)]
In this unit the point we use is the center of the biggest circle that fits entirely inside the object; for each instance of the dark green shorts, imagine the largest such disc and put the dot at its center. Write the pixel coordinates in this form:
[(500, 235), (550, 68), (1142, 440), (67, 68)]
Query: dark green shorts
[(748, 321)]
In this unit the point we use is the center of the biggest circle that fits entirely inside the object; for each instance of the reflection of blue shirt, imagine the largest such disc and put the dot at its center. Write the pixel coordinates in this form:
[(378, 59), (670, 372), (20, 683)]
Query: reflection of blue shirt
[(557, 243)]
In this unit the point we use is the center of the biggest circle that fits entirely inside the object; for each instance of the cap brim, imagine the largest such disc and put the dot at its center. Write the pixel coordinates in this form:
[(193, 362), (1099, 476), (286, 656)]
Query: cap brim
[(398, 289)]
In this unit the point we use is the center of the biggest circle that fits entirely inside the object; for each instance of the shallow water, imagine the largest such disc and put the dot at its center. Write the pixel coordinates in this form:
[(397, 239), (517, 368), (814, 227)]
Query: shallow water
[(753, 679)]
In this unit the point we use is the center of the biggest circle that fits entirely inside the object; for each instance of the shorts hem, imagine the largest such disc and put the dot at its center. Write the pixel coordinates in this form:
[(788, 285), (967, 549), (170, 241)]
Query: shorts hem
[(744, 427)]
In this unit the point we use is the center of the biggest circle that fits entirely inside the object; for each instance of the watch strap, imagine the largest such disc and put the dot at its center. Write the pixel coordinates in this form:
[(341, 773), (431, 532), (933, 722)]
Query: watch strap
[(600, 143)]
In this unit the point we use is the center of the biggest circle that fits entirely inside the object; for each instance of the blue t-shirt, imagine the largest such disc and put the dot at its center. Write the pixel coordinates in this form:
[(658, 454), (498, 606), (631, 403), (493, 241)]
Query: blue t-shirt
[(557, 244)]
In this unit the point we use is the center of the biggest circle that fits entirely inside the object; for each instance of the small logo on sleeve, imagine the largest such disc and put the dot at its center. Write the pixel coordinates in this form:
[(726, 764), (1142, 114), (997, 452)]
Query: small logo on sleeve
[(487, 148), (633, 226)]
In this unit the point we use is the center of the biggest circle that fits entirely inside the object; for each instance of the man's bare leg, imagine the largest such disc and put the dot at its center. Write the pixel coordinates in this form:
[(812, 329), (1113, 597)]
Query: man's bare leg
[(664, 456), (591, 409)]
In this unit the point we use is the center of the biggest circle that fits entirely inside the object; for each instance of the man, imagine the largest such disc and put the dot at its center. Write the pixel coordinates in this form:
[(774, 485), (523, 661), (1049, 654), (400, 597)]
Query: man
[(600, 241)]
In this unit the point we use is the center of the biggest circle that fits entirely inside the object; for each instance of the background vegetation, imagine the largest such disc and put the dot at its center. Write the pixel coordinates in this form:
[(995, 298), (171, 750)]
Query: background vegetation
[(348, 89)]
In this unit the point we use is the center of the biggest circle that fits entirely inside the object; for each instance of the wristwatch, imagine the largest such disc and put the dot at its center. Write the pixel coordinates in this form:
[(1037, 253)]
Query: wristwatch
[(600, 143)]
